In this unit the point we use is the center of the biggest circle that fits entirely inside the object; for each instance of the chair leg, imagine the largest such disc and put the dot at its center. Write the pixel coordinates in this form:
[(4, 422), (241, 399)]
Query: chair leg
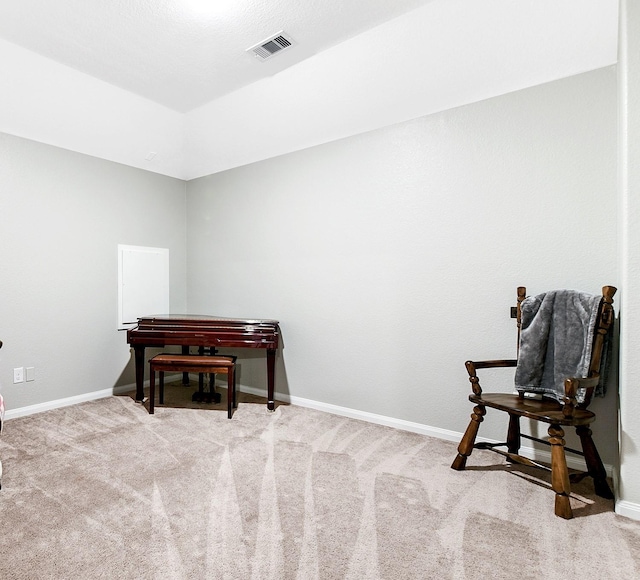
[(152, 389), (560, 473), (468, 439), (594, 463), (513, 434), (161, 385)]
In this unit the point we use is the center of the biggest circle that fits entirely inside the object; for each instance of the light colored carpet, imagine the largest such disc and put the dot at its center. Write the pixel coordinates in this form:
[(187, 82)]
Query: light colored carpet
[(104, 490)]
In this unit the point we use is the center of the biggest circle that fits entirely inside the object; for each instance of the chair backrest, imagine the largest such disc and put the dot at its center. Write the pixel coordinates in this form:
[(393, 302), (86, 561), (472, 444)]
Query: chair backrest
[(603, 325), (522, 294), (601, 342)]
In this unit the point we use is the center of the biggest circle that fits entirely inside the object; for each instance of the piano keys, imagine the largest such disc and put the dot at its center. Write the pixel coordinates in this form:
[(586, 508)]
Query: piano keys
[(204, 331)]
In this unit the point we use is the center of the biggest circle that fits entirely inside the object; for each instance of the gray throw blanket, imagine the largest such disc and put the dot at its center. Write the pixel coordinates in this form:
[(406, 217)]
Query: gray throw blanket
[(556, 338)]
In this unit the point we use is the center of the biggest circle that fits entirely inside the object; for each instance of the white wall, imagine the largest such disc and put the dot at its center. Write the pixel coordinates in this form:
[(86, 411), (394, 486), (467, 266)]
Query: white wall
[(393, 256), (62, 217), (629, 92)]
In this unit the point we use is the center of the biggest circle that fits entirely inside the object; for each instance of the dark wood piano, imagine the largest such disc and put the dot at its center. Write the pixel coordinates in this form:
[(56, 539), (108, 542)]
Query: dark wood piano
[(203, 331)]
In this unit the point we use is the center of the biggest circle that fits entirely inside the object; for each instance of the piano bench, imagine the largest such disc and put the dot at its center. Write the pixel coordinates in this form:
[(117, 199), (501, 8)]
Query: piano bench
[(186, 363)]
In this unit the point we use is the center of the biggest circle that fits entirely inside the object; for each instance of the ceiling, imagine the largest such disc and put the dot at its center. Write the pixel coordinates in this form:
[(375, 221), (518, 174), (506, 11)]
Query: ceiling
[(185, 53), (168, 85)]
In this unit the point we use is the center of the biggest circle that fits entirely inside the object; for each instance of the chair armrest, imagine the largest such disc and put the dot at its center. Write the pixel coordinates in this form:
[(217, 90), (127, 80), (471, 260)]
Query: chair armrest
[(571, 386), (472, 366), (491, 364)]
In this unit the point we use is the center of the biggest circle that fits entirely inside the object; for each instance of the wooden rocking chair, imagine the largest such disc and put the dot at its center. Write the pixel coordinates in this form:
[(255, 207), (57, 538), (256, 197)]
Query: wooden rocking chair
[(570, 411)]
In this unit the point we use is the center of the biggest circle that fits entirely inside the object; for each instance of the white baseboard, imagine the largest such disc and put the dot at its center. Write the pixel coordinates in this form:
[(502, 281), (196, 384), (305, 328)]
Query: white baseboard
[(542, 456), (57, 404), (622, 507), (628, 509)]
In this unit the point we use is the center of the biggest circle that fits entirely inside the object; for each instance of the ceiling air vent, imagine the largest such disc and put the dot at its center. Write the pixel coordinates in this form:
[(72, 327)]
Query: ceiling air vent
[(270, 46)]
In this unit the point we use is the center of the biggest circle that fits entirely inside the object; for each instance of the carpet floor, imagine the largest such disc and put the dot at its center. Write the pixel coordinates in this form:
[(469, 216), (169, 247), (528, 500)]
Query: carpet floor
[(104, 490)]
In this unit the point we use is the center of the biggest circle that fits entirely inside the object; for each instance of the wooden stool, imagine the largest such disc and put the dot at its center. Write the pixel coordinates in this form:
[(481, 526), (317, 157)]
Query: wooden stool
[(191, 363)]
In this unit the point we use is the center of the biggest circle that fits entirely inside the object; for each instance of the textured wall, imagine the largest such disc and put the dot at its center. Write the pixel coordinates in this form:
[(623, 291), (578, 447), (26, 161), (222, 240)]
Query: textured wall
[(393, 256), (62, 217)]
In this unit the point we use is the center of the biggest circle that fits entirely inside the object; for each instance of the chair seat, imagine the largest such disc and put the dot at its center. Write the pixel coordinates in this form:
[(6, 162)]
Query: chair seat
[(195, 363), (546, 410), (192, 363)]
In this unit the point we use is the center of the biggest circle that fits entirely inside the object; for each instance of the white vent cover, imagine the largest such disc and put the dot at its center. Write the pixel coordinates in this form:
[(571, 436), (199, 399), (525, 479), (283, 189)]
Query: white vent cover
[(272, 45)]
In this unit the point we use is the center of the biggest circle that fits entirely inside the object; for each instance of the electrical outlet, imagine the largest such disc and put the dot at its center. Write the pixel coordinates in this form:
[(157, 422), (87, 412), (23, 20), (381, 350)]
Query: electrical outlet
[(18, 375)]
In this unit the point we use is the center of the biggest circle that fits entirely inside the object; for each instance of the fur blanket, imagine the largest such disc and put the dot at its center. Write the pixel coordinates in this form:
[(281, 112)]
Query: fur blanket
[(556, 339)]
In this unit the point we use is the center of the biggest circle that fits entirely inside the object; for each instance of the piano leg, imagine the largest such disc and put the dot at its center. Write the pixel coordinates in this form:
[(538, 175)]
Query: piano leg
[(211, 396), (138, 355), (271, 379)]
